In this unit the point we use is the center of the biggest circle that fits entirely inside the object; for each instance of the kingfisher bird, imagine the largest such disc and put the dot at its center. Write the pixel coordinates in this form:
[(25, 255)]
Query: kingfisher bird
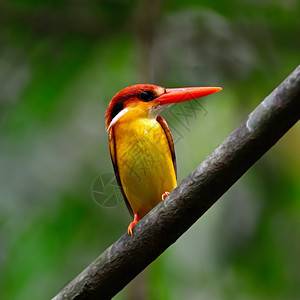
[(141, 145)]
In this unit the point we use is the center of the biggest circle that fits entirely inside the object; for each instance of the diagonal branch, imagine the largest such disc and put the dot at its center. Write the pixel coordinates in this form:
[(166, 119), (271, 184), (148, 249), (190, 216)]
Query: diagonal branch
[(128, 256)]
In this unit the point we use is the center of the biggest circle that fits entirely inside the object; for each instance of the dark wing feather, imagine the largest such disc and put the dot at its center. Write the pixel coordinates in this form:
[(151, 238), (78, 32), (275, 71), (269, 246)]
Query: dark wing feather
[(113, 155), (167, 131)]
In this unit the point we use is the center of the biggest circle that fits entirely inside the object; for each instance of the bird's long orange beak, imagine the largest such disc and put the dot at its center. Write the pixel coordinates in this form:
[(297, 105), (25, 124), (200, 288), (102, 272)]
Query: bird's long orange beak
[(185, 94)]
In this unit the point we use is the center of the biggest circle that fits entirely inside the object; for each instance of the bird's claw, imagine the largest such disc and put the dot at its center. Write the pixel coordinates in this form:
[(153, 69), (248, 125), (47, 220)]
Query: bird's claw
[(132, 224), (165, 195), (130, 228)]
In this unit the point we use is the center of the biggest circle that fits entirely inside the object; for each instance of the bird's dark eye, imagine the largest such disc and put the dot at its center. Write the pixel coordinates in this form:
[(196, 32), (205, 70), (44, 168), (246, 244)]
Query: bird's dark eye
[(146, 96)]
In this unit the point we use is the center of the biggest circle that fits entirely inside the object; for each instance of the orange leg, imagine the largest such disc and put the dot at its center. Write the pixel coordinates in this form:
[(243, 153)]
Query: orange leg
[(131, 225), (165, 195)]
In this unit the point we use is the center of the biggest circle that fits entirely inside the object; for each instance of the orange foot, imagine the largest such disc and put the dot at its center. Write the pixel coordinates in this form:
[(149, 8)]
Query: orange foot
[(165, 195), (131, 225)]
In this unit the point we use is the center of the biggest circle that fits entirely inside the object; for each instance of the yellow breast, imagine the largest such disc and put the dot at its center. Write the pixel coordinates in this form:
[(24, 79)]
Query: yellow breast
[(144, 161)]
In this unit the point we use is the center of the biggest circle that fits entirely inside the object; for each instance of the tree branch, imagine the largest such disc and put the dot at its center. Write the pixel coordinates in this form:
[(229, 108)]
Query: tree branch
[(128, 256)]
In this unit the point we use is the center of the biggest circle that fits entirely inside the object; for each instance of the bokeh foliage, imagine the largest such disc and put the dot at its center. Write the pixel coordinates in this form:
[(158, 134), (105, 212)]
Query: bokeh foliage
[(62, 61)]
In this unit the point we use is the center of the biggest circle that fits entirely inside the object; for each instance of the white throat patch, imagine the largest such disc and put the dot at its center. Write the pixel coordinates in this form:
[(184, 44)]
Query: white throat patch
[(153, 112)]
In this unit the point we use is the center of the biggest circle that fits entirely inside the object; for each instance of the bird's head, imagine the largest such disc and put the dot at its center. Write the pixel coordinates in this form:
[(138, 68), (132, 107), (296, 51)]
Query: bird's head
[(149, 100)]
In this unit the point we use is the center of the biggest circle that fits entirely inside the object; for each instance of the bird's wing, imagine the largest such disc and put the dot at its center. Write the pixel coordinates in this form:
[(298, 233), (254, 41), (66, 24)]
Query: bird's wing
[(167, 131), (113, 155)]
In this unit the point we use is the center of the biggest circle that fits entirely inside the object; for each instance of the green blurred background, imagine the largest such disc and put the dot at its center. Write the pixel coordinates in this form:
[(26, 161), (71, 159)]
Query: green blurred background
[(60, 64)]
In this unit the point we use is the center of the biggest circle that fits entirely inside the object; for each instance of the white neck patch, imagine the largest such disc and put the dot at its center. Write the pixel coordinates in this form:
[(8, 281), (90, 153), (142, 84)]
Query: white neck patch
[(153, 112), (117, 117)]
